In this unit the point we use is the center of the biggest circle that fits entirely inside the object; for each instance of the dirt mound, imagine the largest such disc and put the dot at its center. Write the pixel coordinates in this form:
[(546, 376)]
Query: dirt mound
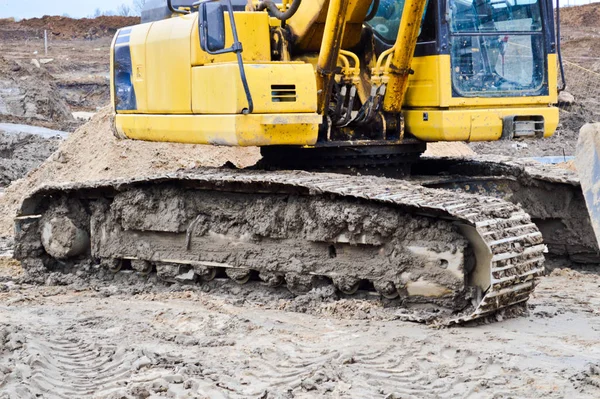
[(587, 15), (92, 153), (580, 52), (65, 28), (29, 95), (21, 152), (569, 165), (448, 149)]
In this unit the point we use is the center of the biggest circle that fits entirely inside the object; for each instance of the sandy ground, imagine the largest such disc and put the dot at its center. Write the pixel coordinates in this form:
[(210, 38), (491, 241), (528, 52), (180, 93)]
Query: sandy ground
[(126, 342)]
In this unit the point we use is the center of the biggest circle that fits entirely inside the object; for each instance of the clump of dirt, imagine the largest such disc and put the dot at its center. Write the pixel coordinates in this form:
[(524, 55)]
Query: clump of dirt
[(569, 165), (29, 95), (448, 149), (65, 28), (93, 153)]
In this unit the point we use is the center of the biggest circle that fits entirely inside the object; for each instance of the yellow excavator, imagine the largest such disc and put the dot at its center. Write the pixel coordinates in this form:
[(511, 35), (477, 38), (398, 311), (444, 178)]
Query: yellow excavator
[(317, 75), (342, 97)]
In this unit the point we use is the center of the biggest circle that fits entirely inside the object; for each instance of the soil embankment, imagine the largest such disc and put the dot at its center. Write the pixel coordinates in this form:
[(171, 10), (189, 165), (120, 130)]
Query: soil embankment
[(64, 28)]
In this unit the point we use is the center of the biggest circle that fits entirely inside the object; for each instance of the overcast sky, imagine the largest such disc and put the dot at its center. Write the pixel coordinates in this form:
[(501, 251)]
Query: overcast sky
[(83, 8), (38, 8)]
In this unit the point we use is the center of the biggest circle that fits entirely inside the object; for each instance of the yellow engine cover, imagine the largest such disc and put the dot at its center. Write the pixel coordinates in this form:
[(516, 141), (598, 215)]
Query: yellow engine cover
[(181, 94), (275, 88)]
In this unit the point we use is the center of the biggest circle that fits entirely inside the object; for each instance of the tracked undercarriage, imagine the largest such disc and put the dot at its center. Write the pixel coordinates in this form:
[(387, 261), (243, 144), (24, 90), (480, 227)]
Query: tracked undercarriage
[(468, 256), (550, 195)]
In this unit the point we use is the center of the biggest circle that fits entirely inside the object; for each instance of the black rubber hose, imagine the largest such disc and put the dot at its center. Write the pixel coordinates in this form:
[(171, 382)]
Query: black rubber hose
[(373, 12), (175, 10), (558, 48), (282, 16)]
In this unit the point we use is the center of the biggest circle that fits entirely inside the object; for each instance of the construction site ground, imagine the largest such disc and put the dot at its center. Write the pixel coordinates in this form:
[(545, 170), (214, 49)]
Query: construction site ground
[(130, 338)]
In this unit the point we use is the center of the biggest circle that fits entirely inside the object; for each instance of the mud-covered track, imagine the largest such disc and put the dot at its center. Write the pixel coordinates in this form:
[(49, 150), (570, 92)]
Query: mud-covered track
[(552, 196), (508, 247)]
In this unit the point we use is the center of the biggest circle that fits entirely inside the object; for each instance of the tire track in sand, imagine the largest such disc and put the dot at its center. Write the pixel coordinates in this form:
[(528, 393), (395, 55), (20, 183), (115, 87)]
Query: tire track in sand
[(406, 369), (70, 368)]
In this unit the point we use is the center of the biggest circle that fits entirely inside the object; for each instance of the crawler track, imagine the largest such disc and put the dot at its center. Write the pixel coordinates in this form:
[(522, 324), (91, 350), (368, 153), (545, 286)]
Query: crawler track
[(405, 240), (550, 195)]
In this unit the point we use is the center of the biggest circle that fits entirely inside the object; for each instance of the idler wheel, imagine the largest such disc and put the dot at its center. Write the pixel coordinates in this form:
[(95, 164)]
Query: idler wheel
[(113, 265), (386, 289), (206, 273), (240, 276), (62, 239), (348, 286)]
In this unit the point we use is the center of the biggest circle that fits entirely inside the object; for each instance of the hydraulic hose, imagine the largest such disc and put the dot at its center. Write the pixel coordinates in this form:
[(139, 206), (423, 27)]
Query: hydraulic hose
[(175, 10), (374, 8), (558, 48), (282, 16)]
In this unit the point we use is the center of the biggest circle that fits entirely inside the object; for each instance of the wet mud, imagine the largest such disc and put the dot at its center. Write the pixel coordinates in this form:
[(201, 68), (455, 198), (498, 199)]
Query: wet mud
[(132, 338)]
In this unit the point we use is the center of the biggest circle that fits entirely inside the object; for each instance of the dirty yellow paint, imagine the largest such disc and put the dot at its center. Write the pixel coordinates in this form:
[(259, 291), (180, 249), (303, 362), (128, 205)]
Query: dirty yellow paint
[(168, 59), (471, 124), (185, 95), (230, 130), (431, 86), (253, 32), (275, 88)]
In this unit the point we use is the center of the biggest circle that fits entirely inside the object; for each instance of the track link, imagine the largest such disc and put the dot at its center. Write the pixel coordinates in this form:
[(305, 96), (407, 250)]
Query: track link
[(552, 196), (508, 246)]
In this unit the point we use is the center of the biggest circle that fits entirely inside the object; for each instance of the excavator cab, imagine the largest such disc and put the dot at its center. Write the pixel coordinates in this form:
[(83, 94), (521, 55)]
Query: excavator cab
[(483, 70), (507, 57)]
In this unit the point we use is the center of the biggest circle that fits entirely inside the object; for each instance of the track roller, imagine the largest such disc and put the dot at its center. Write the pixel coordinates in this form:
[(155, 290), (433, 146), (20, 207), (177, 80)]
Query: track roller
[(386, 289), (240, 276), (143, 267), (206, 273), (348, 286), (113, 265)]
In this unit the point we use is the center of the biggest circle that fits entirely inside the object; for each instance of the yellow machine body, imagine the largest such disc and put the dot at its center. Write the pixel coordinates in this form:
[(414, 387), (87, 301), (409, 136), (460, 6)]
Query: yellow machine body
[(467, 119), (183, 94)]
